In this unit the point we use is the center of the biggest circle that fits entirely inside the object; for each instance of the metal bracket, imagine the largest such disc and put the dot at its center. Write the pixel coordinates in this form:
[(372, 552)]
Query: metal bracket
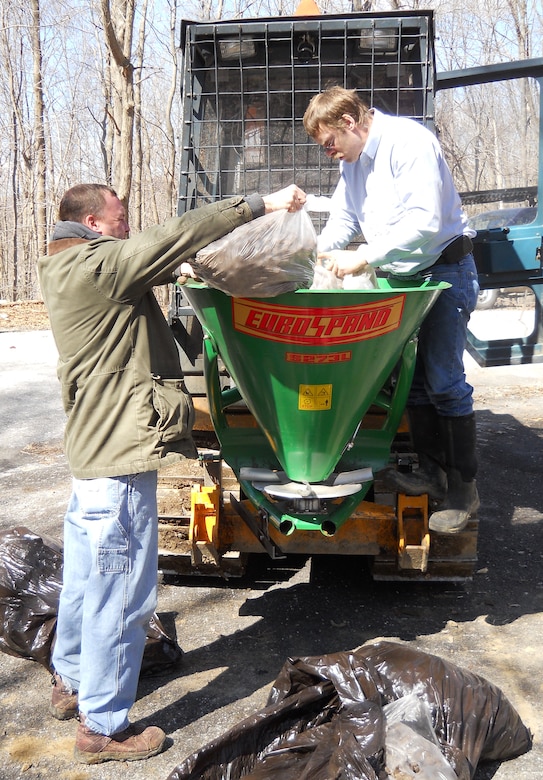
[(260, 531), (413, 556), (203, 531)]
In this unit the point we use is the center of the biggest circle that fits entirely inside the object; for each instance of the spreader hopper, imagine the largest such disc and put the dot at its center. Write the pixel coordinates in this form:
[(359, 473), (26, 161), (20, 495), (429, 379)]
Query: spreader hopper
[(310, 366)]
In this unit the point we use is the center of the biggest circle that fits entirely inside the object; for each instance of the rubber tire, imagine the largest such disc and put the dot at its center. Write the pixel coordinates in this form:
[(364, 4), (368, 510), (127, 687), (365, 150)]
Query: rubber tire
[(487, 299)]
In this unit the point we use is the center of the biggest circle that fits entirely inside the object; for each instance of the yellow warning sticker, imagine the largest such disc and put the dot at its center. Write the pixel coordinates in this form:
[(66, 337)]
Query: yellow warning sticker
[(314, 398)]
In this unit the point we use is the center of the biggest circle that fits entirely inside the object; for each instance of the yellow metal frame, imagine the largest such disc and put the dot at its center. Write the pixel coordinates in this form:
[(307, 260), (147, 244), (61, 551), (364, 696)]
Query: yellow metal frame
[(204, 523), (413, 555), (216, 527), (396, 537)]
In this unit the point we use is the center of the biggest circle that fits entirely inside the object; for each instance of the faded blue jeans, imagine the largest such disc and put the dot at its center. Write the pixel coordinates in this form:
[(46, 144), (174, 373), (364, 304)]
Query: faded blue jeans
[(440, 379), (108, 595)]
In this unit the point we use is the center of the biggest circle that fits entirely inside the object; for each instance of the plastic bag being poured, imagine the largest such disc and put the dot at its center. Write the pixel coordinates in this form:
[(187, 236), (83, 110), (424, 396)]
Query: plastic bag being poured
[(269, 256)]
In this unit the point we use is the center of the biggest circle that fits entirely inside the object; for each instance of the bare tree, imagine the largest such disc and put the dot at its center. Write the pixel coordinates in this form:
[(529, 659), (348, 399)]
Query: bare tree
[(39, 131), (484, 149), (57, 128), (170, 133), (118, 21), (18, 160), (137, 193)]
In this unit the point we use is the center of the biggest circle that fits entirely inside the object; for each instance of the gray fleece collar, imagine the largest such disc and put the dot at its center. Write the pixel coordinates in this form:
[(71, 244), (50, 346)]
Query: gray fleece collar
[(67, 229)]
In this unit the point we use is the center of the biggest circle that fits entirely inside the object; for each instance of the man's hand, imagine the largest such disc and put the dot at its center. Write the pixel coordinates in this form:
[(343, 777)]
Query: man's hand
[(185, 272), (291, 198), (342, 262)]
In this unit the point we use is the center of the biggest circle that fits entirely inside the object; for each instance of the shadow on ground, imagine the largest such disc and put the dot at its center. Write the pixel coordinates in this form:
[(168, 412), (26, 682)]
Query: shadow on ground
[(339, 607)]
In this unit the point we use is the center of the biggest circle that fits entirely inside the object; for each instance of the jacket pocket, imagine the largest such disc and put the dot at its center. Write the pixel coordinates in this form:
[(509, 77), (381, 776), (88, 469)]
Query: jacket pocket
[(174, 408), (68, 391)]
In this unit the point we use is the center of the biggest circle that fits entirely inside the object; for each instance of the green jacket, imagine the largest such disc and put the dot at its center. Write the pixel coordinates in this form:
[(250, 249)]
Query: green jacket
[(122, 384)]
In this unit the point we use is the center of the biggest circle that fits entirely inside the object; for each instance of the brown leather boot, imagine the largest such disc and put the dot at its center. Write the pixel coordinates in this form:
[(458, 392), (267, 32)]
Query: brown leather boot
[(63, 700), (133, 744)]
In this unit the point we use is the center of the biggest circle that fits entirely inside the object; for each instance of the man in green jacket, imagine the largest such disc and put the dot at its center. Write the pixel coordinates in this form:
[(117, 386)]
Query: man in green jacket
[(128, 413)]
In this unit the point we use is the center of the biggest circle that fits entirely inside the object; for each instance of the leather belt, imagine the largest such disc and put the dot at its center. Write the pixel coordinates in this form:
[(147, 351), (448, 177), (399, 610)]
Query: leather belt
[(455, 251)]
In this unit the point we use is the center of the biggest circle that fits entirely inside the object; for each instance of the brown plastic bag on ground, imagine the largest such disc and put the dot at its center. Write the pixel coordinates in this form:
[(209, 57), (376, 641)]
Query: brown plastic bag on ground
[(30, 585), (271, 255), (325, 719)]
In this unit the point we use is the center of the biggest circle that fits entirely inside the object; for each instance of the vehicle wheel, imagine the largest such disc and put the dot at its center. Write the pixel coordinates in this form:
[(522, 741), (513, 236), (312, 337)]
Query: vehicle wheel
[(486, 299)]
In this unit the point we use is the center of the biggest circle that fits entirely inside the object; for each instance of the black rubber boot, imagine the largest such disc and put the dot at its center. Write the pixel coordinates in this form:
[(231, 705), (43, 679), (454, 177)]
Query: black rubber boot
[(458, 435), (430, 476)]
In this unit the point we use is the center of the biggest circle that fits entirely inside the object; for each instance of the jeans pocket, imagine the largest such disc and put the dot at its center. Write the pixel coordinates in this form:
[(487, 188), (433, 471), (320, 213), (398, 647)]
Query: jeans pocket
[(98, 498), (474, 290), (174, 409), (468, 282), (113, 559), (101, 503)]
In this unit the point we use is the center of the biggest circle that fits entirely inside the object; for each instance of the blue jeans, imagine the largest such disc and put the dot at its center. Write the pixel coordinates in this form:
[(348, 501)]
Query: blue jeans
[(108, 595), (439, 377)]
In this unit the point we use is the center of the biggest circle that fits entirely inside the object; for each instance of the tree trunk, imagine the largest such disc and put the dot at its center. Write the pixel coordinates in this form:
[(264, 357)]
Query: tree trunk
[(118, 21), (39, 134), (137, 196)]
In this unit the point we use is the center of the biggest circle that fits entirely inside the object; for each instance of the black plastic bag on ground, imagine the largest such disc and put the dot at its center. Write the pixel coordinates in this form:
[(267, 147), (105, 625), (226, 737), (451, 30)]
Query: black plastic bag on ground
[(469, 714), (161, 650), (325, 719), (271, 255), (30, 585)]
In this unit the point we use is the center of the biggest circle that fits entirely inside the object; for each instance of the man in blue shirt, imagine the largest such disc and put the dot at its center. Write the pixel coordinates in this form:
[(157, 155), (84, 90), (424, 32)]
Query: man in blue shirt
[(396, 190)]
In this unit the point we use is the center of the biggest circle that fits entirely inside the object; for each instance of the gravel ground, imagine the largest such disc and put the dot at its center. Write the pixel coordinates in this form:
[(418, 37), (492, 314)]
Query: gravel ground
[(237, 635)]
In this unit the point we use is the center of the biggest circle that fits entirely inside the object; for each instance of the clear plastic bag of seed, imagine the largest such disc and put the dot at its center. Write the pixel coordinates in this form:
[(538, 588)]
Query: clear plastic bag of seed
[(269, 256)]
